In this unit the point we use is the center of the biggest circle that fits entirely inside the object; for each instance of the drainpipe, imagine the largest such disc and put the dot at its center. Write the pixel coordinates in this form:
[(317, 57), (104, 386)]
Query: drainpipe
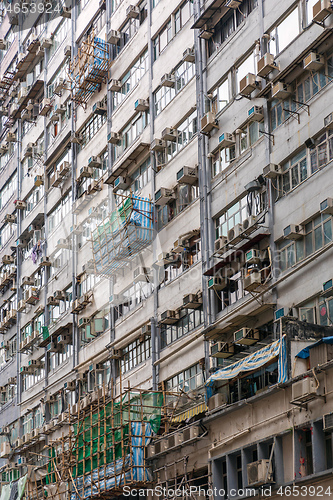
[(205, 211), (155, 331)]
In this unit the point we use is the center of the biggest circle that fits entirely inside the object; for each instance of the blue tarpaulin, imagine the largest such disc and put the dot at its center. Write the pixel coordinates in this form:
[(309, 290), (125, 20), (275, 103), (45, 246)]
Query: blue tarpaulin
[(305, 353), (253, 362)]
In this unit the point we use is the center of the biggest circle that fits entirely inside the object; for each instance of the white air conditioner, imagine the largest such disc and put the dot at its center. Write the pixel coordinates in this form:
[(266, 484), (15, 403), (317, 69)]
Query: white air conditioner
[(114, 138), (326, 206), (192, 301), (86, 172), (265, 65), (141, 105), (169, 317), (132, 11), (115, 85), (208, 122), (234, 234), (44, 106), (141, 274), (216, 401), (115, 353), (271, 171), (313, 61), (163, 196), (304, 390), (246, 336), (169, 134), (168, 80), (157, 145), (76, 138), (95, 162), (328, 422), (249, 224), (175, 440), (121, 183), (248, 84), (187, 175), (328, 121), (220, 244), (252, 256), (189, 55), (192, 432), (217, 283), (252, 282), (256, 114), (113, 37), (222, 350), (321, 10), (100, 108), (259, 472), (281, 90), (293, 232)]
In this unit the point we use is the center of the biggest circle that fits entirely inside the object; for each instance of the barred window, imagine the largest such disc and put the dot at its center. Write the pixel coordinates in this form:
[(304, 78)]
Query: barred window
[(189, 321), (186, 380), (135, 353), (183, 74), (132, 77), (91, 128)]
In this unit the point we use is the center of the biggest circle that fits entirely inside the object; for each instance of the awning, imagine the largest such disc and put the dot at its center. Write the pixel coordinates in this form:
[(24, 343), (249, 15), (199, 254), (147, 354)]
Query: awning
[(305, 353), (195, 410), (251, 363)]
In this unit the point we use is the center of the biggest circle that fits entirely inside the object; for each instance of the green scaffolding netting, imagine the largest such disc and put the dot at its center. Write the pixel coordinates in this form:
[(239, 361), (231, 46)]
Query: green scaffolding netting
[(103, 436)]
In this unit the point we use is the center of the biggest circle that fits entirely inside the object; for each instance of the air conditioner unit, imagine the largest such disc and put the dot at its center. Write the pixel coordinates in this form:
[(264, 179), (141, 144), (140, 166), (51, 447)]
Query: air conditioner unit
[(327, 289), (259, 472), (24, 370), (226, 140), (222, 350), (249, 224), (89, 267), (304, 390), (248, 84), (208, 122), (175, 440), (158, 447), (3, 44), (321, 10), (168, 80), (32, 295), (20, 205), (256, 113), (70, 386), (21, 460), (141, 105), (163, 196), (64, 168), (95, 162), (141, 274), (192, 432), (217, 400), (281, 90), (252, 256), (25, 115), (8, 259), (265, 65), (313, 61), (234, 234), (113, 37), (39, 180), (157, 145), (64, 339), (115, 85), (187, 175), (44, 107), (328, 121), (76, 138), (293, 232), (5, 449), (52, 347), (271, 171), (21, 306), (65, 12), (114, 138), (99, 108), (68, 51), (86, 172), (328, 422), (169, 317), (35, 363), (191, 301), (146, 329), (51, 301), (220, 244), (132, 12), (46, 43), (246, 336), (121, 183), (189, 55), (169, 134), (252, 282), (216, 283), (10, 218), (326, 206), (115, 353)]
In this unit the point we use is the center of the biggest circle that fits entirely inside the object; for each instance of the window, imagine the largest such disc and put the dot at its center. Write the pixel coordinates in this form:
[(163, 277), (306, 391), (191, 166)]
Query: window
[(8, 190), (96, 326), (317, 311), (133, 296), (33, 199), (247, 66), (62, 209), (250, 135), (222, 159), (135, 353), (131, 78), (186, 130), (90, 129), (60, 35), (185, 195), (131, 132), (236, 214), (183, 14), (229, 23), (305, 163), (141, 176), (220, 97), (284, 33), (190, 320), (6, 233), (183, 74), (187, 380), (162, 40), (317, 234)]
